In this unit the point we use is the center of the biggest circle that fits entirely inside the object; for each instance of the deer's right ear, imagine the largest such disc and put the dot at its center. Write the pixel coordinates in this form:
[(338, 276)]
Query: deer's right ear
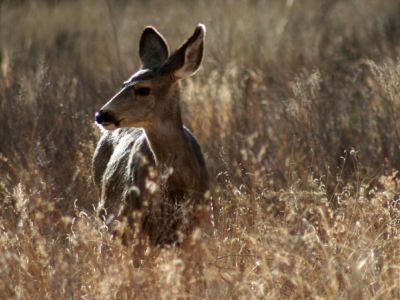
[(153, 49), (187, 59)]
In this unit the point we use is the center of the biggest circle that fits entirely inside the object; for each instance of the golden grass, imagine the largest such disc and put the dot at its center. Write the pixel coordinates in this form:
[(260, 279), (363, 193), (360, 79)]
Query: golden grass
[(296, 108)]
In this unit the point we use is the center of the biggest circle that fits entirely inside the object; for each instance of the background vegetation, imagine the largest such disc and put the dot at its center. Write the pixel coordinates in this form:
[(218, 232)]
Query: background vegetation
[(296, 107)]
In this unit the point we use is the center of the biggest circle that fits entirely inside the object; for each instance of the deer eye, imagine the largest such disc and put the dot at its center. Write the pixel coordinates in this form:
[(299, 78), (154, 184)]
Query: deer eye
[(142, 91)]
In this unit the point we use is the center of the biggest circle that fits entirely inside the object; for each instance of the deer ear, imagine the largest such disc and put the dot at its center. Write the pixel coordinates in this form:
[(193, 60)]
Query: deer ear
[(153, 49), (187, 59)]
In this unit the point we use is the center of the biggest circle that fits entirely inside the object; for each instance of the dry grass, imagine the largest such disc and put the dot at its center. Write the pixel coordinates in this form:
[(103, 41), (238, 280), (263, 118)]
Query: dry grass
[(297, 110)]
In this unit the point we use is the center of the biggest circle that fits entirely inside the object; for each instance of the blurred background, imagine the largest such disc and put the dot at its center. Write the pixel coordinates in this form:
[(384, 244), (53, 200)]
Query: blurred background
[(296, 108), (288, 89)]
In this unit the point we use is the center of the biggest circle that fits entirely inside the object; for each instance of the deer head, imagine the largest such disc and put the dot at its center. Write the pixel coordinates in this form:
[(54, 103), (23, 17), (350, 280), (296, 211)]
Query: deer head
[(151, 95)]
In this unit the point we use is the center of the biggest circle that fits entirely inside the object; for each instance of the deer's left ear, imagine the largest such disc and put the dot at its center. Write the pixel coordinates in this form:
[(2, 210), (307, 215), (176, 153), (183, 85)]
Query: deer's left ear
[(187, 59), (153, 49)]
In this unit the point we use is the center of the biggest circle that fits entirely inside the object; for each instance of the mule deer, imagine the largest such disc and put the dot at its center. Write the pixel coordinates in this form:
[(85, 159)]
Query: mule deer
[(145, 136)]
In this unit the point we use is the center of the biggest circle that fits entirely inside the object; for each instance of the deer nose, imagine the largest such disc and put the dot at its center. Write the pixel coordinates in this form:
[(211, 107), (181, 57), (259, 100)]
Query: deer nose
[(103, 117)]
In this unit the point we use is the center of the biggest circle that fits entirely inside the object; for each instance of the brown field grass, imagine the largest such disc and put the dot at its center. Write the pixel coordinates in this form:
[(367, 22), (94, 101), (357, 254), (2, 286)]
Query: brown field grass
[(297, 109)]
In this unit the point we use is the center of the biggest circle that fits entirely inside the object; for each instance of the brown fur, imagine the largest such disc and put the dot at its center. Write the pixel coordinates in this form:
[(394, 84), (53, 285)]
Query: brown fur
[(149, 146)]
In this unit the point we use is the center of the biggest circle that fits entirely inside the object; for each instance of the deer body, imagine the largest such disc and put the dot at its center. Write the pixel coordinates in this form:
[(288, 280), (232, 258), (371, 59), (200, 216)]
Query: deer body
[(146, 140)]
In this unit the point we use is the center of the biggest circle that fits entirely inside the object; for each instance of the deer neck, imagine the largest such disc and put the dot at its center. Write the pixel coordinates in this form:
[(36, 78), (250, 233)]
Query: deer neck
[(172, 151), (167, 141)]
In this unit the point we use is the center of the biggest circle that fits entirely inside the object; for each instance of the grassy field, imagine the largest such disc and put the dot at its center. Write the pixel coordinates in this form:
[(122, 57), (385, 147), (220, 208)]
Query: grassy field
[(297, 109)]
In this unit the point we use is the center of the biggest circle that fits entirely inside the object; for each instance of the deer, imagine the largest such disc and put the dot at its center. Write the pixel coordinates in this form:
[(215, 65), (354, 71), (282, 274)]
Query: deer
[(148, 166)]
